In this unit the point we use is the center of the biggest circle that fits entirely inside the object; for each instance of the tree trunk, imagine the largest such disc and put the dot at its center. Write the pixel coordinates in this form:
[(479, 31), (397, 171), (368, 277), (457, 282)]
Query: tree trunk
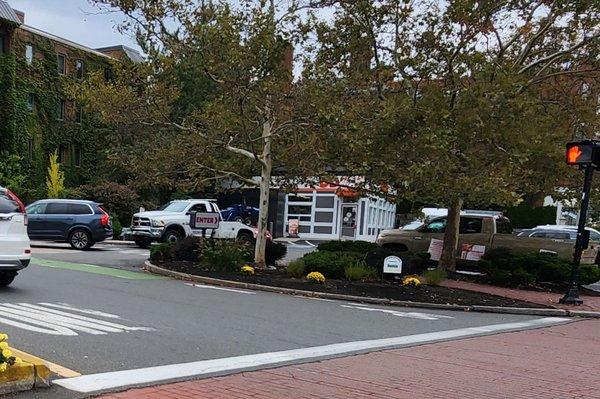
[(265, 190), (448, 258)]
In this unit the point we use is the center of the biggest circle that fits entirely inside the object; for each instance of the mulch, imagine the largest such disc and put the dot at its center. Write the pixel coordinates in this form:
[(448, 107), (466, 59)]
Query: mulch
[(375, 289)]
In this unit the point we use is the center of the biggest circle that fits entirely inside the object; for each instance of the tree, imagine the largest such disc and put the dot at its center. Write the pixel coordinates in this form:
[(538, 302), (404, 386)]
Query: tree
[(463, 101), (55, 182), (248, 115)]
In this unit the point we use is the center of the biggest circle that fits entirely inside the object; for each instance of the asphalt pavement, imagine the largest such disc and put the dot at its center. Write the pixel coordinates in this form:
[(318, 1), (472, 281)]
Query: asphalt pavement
[(97, 312)]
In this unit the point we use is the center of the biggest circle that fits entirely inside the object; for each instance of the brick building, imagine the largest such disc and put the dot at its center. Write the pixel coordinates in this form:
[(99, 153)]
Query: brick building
[(36, 116)]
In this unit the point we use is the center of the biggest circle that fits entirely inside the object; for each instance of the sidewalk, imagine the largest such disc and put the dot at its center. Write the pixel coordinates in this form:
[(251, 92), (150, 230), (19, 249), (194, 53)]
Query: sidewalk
[(590, 303), (556, 362)]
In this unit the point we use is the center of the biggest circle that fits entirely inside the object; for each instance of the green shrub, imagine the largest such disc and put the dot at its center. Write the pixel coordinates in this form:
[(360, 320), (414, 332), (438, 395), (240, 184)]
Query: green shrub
[(160, 253), (524, 216), (187, 250), (117, 228), (411, 263), (224, 255), (505, 268), (361, 247), (435, 276), (360, 271), (274, 252), (296, 268), (331, 264), (589, 274)]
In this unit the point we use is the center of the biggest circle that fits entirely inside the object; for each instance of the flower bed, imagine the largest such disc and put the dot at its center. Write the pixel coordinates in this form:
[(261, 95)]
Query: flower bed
[(375, 289)]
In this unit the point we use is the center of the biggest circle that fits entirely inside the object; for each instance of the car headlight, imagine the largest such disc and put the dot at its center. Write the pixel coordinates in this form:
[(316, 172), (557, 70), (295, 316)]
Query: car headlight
[(158, 223)]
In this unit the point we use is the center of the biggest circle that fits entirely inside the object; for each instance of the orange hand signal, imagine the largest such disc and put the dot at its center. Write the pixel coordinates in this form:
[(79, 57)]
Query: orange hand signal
[(573, 154)]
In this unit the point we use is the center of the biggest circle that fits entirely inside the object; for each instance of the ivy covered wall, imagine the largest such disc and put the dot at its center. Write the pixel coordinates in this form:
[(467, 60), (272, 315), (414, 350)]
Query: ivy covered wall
[(34, 134)]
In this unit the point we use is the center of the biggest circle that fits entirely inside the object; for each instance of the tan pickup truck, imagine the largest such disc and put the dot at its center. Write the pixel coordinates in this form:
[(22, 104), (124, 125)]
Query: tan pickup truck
[(480, 232)]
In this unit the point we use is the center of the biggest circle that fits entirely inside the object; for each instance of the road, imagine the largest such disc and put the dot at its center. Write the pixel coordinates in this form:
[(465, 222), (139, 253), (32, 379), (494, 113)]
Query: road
[(96, 312)]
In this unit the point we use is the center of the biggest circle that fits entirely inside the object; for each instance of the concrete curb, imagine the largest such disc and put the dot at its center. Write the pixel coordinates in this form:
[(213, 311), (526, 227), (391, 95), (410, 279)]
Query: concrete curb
[(119, 243), (32, 373), (377, 301)]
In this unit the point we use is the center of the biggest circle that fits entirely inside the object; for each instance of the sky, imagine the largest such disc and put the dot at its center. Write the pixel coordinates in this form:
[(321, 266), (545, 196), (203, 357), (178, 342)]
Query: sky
[(76, 20)]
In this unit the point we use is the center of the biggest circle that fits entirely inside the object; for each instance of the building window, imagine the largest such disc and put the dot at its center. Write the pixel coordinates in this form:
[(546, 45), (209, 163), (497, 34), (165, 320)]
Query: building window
[(29, 53), (108, 74), (78, 114), (79, 69), (30, 102), (77, 156), (63, 156), (60, 110), (2, 43), (62, 64)]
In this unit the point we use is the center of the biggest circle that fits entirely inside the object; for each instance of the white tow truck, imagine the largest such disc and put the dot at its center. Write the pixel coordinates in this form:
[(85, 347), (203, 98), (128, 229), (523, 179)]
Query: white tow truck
[(172, 223)]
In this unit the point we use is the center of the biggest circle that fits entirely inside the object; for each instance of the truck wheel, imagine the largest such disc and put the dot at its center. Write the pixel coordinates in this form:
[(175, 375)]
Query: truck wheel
[(6, 278), (172, 236), (143, 243), (245, 236), (80, 239)]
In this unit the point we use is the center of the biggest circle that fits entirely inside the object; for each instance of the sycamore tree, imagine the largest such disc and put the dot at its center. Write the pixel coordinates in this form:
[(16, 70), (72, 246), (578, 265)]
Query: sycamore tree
[(216, 99), (460, 102)]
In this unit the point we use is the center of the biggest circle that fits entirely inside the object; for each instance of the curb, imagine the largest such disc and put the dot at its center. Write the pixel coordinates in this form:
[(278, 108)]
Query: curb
[(32, 373), (119, 243), (377, 301)]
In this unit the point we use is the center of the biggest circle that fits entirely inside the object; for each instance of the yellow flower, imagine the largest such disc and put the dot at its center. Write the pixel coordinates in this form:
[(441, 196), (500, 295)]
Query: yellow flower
[(3, 337), (3, 367), (411, 280), (18, 360), (249, 270), (6, 353), (315, 277), (3, 345)]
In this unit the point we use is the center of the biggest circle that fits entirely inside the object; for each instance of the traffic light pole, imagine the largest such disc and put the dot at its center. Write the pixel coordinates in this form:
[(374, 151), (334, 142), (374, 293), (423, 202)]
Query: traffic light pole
[(572, 296)]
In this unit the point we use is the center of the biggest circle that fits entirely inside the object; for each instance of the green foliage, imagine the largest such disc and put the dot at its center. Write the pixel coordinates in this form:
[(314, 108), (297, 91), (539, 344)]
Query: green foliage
[(524, 216), (225, 256), (296, 268), (274, 251), (117, 227), (55, 182), (331, 264), (11, 171), (435, 276), (411, 263), (118, 199), (160, 253), (188, 249), (505, 268), (361, 247), (359, 271)]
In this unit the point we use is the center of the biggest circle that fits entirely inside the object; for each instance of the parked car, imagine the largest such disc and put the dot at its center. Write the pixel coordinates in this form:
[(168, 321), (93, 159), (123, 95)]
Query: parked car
[(172, 223), (15, 252), (240, 213), (491, 231), (570, 230), (80, 223)]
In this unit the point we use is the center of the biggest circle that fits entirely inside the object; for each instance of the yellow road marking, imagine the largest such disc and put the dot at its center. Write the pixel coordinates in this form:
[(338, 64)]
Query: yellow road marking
[(53, 367)]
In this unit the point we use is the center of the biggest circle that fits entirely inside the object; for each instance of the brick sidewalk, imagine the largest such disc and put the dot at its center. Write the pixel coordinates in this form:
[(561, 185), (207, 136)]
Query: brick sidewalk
[(590, 303), (556, 362)]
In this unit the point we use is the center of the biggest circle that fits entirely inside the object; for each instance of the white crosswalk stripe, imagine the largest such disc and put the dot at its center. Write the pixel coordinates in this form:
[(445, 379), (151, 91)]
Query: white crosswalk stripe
[(410, 315), (45, 318)]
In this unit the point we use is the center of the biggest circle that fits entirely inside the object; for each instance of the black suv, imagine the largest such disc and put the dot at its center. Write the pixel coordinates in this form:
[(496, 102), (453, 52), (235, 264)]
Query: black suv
[(80, 223)]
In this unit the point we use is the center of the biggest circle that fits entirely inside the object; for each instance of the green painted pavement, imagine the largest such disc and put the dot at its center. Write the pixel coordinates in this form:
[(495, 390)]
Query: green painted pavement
[(105, 271)]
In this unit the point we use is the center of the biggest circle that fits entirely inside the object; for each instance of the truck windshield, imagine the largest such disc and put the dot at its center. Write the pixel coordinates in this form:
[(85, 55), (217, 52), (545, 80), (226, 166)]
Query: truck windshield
[(174, 207)]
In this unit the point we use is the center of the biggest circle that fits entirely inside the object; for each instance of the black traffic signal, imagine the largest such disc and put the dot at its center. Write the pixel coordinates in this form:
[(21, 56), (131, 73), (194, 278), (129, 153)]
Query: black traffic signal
[(583, 153)]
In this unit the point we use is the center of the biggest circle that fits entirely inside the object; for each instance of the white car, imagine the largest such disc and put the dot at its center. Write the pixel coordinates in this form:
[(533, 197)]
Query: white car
[(594, 234), (15, 251), (172, 223)]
